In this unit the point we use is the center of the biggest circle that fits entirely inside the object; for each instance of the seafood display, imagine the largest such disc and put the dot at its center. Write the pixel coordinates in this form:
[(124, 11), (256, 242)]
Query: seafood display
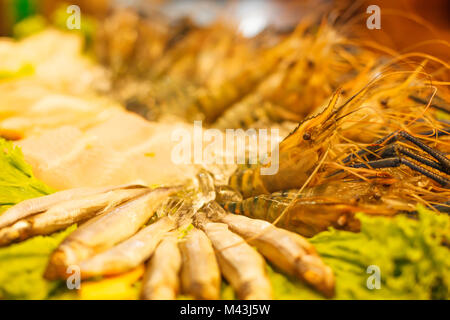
[(105, 172)]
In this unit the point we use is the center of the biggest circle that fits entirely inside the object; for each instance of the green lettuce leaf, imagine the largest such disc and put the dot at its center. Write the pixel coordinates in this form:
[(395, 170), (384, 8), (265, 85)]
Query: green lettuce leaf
[(22, 266), (29, 26), (412, 256), (17, 182)]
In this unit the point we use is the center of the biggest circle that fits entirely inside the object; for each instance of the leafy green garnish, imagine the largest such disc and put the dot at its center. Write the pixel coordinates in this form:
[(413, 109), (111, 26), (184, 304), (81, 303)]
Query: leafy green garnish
[(29, 26), (17, 182), (24, 71), (412, 256), (22, 266)]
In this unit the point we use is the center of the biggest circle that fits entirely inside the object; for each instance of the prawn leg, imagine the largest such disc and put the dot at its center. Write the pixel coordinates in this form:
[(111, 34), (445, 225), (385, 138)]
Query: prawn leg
[(443, 161), (397, 161), (444, 107), (393, 155)]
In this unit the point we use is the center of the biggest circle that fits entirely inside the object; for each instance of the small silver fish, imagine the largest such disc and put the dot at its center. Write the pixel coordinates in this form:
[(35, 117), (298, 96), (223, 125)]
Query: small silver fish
[(241, 265), (161, 280), (288, 251), (129, 253), (64, 214), (33, 206), (200, 275), (103, 232)]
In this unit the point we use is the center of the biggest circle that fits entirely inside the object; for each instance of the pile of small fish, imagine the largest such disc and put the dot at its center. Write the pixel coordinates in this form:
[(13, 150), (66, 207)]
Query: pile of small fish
[(120, 231)]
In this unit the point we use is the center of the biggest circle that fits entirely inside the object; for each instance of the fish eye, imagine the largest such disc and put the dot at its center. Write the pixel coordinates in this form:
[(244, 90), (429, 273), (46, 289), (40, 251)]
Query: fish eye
[(307, 136)]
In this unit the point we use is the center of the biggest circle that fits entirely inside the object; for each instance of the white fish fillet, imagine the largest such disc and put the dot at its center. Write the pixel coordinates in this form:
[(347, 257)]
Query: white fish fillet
[(134, 130), (114, 152)]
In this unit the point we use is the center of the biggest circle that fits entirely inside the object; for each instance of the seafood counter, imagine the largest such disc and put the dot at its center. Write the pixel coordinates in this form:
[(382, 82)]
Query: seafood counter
[(90, 185)]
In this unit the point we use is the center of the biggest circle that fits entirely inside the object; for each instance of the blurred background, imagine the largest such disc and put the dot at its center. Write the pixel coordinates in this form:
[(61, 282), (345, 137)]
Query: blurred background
[(406, 25)]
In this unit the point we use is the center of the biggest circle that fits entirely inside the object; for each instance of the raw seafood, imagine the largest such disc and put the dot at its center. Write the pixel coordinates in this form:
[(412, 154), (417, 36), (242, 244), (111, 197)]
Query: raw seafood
[(105, 231)]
